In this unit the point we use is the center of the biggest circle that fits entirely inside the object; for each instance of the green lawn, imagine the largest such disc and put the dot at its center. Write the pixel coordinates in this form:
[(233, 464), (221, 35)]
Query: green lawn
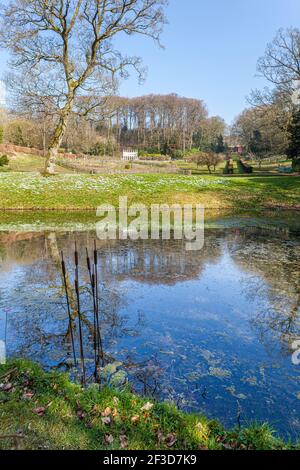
[(51, 412), (27, 163), (78, 191)]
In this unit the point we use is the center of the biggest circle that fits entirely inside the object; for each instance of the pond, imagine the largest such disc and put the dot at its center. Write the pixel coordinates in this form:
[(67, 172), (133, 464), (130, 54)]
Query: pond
[(210, 330)]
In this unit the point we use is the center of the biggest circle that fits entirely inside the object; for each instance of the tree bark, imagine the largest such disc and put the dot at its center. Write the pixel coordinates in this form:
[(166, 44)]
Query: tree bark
[(58, 136)]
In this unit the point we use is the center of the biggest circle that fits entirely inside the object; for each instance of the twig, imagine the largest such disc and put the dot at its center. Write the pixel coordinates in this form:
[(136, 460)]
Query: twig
[(97, 302), (68, 307), (8, 373), (96, 355), (79, 314)]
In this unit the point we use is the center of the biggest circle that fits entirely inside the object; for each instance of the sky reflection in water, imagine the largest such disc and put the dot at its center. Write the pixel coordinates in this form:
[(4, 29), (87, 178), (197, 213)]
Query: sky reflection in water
[(212, 330)]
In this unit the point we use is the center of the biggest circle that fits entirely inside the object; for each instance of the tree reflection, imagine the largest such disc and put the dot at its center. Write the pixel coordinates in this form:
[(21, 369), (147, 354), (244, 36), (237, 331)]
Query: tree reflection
[(274, 261)]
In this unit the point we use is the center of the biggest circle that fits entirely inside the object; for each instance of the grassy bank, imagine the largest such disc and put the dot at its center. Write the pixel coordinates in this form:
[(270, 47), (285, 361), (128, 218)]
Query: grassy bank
[(50, 412), (30, 191)]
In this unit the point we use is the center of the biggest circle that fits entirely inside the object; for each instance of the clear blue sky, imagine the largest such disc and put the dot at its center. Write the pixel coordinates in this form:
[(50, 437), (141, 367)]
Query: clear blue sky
[(211, 50), (212, 47)]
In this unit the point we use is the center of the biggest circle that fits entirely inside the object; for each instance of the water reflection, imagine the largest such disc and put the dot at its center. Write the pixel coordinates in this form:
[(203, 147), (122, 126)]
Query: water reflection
[(211, 330)]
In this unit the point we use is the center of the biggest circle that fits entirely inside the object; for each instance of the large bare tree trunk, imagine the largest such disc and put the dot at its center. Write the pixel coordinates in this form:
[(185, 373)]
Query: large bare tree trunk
[(58, 136)]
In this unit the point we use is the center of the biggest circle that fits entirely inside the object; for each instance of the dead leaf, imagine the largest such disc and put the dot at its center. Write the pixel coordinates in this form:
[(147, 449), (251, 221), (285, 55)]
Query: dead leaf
[(80, 414), (106, 412), (171, 439), (115, 413), (40, 410), (106, 420), (28, 395), (135, 419), (116, 400), (6, 387), (147, 407), (108, 439), (160, 436), (123, 441)]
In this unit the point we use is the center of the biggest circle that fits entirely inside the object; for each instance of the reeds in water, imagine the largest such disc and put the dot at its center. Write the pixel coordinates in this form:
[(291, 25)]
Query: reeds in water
[(92, 267)]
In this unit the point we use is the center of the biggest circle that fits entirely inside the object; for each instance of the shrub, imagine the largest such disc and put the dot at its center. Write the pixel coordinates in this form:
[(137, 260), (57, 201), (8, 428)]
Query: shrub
[(229, 169), (243, 168), (155, 157), (296, 164), (4, 160), (177, 155), (101, 148), (149, 151), (208, 159)]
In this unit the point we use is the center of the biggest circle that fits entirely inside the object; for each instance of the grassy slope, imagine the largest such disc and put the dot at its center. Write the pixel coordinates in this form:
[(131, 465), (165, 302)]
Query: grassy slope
[(24, 162), (68, 191), (71, 418)]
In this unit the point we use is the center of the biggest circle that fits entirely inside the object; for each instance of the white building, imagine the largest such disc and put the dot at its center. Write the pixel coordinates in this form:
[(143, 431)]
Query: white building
[(130, 155)]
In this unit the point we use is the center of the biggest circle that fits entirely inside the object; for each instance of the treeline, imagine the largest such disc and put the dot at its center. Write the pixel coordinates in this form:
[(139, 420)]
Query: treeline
[(152, 124), (162, 122), (263, 129)]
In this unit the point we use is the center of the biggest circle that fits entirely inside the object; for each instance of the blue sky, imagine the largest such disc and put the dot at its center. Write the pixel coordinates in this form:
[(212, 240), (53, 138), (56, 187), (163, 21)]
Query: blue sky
[(212, 47), (211, 50)]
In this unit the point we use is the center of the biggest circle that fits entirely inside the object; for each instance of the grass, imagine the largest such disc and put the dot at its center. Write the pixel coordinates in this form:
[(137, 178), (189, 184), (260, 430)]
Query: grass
[(83, 192), (51, 412), (27, 163)]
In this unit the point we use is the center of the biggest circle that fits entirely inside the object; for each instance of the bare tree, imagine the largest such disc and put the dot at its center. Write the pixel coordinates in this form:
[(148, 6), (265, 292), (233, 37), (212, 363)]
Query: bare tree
[(281, 63), (271, 121), (64, 55), (208, 159)]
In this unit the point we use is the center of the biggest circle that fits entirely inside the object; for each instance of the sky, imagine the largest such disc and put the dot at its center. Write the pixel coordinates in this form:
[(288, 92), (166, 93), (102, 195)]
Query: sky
[(211, 51)]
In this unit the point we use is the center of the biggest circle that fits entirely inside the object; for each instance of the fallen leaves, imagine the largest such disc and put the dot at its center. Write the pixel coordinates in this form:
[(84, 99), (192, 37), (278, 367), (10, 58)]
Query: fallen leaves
[(106, 420), (123, 441), (116, 401), (106, 412), (80, 414), (147, 407), (6, 387), (28, 395), (108, 439), (106, 416), (135, 419), (40, 410), (171, 439), (160, 436)]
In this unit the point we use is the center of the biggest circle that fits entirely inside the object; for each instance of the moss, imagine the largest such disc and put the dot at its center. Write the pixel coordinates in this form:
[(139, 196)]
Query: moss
[(51, 412)]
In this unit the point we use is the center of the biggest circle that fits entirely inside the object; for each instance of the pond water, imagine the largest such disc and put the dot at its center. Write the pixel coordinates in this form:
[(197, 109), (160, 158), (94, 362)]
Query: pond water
[(211, 330)]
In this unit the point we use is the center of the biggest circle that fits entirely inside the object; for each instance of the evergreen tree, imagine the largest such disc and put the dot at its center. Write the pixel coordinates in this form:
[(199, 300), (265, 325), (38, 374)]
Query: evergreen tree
[(257, 144), (220, 146), (293, 150)]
